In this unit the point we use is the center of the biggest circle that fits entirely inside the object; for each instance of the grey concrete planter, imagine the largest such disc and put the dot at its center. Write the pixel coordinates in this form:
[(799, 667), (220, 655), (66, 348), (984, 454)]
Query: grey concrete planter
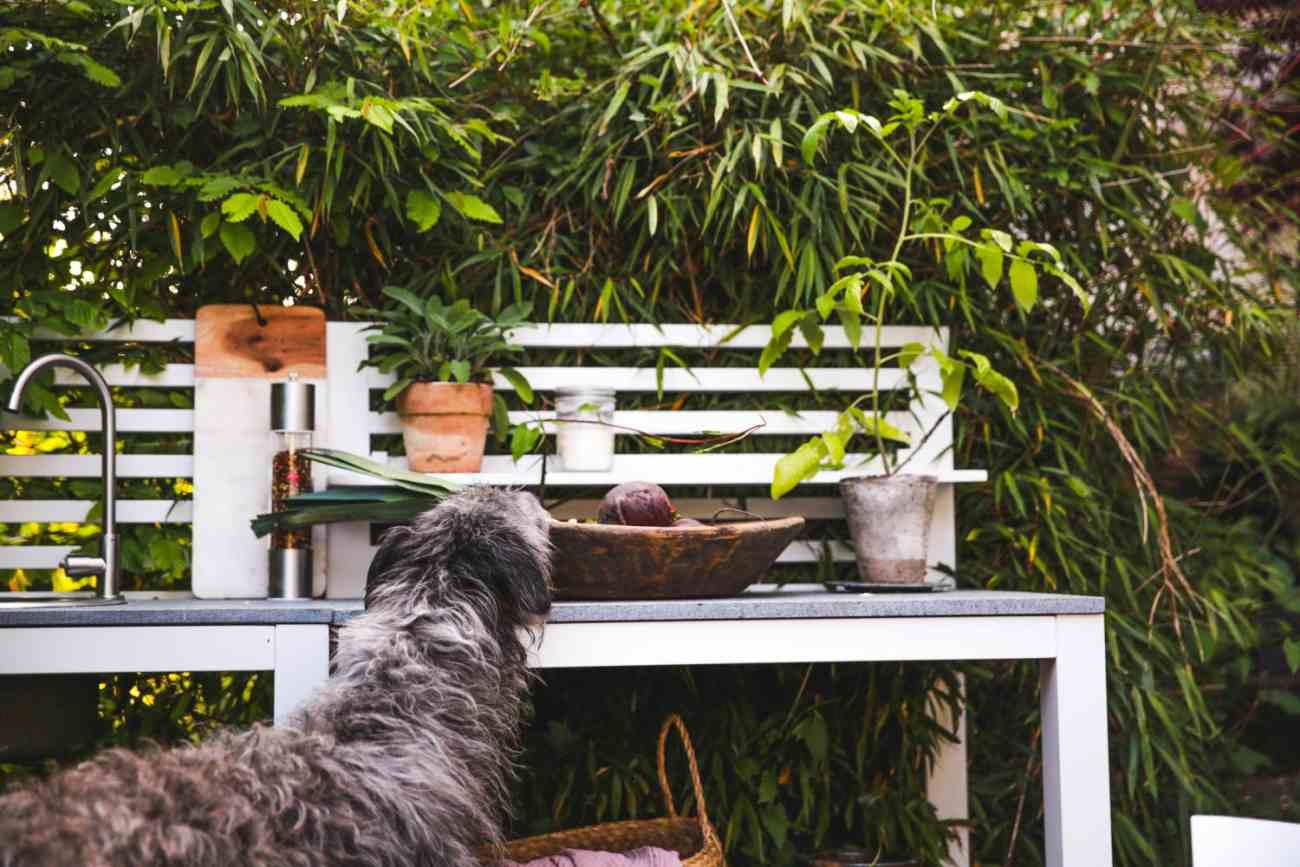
[(889, 520)]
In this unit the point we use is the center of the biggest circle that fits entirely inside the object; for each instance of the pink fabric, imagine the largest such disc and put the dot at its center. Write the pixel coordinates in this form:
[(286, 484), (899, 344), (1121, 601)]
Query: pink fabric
[(645, 857)]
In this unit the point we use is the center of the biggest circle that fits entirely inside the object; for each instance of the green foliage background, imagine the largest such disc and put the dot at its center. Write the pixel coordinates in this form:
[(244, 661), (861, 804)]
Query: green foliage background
[(622, 160)]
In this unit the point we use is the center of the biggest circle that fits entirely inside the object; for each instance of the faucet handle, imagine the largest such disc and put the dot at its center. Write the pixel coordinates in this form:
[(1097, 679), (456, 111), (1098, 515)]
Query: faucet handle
[(78, 566)]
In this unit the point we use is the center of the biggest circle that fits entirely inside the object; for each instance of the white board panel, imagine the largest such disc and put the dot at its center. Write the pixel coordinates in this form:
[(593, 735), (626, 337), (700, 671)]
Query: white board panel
[(664, 469), (32, 556), (630, 336), (179, 330), (128, 421), (813, 508), (701, 379), (679, 423), (74, 511), (232, 478), (171, 376), (88, 466)]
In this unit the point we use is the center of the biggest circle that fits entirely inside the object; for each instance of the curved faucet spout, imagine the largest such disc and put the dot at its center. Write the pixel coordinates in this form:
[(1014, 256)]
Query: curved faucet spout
[(106, 566)]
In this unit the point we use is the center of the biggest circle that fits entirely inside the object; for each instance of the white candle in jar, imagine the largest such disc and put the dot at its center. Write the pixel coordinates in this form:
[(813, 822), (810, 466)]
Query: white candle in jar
[(584, 438)]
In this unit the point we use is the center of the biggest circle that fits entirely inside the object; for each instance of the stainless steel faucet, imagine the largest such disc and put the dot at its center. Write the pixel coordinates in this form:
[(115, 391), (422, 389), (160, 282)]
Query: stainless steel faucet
[(104, 566)]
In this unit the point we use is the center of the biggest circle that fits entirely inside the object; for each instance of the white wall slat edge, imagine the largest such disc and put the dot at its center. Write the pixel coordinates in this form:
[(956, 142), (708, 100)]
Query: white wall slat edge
[(665, 469), (566, 335), (171, 376), (129, 420), (679, 423), (702, 379), (33, 556), (87, 466), (74, 511), (813, 508), (180, 330), (797, 552), (644, 335)]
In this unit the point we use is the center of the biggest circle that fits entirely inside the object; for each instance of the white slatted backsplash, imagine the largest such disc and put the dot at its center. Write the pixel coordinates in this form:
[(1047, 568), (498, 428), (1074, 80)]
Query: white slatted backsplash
[(353, 424)]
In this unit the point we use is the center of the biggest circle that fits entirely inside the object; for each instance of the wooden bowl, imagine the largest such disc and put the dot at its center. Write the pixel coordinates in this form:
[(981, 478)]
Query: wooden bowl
[(612, 561)]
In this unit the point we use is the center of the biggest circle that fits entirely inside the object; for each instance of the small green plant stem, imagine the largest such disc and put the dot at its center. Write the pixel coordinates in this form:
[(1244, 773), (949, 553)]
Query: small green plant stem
[(880, 306)]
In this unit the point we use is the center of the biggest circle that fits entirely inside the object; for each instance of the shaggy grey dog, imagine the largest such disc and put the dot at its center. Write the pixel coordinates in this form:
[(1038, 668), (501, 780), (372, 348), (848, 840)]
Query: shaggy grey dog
[(403, 759)]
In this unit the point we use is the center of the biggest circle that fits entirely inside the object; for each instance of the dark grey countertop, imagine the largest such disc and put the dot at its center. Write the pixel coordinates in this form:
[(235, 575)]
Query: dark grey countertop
[(760, 602)]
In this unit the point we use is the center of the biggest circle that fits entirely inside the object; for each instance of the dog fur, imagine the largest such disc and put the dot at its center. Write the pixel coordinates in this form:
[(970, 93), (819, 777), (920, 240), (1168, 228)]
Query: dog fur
[(404, 758)]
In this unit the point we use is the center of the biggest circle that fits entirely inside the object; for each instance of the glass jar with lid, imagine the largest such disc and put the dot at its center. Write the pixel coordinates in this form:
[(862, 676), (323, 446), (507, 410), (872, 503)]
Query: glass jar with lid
[(584, 418)]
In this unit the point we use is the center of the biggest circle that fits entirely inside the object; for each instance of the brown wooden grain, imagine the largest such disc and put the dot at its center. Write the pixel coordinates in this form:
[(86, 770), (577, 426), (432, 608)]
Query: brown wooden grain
[(230, 343)]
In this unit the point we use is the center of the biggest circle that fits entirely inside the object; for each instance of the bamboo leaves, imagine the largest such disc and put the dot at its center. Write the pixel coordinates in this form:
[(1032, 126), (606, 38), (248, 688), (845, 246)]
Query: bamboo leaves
[(991, 263), (1024, 284), (284, 217), (238, 240), (472, 207), (423, 209)]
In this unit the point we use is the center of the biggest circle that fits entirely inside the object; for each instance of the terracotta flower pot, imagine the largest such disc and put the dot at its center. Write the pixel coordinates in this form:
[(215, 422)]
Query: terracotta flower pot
[(445, 425)]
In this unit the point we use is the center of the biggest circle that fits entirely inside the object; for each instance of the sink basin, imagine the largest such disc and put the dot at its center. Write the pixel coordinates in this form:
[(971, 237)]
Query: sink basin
[(10, 601)]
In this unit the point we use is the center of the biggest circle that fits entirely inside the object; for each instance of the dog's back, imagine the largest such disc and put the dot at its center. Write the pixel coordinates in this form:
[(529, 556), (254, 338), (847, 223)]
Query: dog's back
[(403, 759)]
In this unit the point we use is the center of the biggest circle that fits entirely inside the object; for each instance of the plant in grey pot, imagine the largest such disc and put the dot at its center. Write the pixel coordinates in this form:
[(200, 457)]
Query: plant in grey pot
[(440, 355), (889, 511)]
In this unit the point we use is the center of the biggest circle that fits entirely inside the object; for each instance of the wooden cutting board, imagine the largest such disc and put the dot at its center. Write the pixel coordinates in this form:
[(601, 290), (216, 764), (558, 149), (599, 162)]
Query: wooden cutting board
[(236, 358), (240, 341)]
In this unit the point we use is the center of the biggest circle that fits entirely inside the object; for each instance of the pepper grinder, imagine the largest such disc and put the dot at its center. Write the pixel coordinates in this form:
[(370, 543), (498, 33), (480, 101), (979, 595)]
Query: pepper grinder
[(293, 420)]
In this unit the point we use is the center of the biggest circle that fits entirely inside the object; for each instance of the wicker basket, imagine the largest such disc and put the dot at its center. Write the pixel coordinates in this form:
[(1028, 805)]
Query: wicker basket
[(693, 839)]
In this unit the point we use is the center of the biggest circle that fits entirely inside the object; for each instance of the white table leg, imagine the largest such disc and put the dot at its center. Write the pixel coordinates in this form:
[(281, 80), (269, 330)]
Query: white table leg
[(301, 665), (1076, 769), (947, 786)]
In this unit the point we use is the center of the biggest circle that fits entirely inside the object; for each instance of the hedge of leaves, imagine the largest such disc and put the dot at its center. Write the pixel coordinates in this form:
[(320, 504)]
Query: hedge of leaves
[(621, 160)]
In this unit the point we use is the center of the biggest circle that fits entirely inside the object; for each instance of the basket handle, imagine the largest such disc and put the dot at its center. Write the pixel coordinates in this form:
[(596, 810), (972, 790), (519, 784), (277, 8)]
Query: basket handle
[(701, 811)]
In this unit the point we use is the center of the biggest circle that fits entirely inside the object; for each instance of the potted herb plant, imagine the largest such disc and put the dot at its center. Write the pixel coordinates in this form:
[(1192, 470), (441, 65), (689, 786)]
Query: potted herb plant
[(889, 512), (439, 354)]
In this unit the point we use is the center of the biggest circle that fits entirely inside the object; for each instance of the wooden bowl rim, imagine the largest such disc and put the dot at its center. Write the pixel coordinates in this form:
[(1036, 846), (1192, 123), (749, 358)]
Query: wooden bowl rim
[(744, 526)]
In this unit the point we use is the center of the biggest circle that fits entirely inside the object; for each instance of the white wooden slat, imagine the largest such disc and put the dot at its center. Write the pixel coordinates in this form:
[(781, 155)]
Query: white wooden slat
[(805, 551), (598, 336), (87, 466), (179, 330), (74, 511), (567, 335), (346, 552), (33, 556), (702, 379), (128, 421), (813, 508), (711, 468), (674, 423), (171, 376), (797, 552), (347, 389)]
